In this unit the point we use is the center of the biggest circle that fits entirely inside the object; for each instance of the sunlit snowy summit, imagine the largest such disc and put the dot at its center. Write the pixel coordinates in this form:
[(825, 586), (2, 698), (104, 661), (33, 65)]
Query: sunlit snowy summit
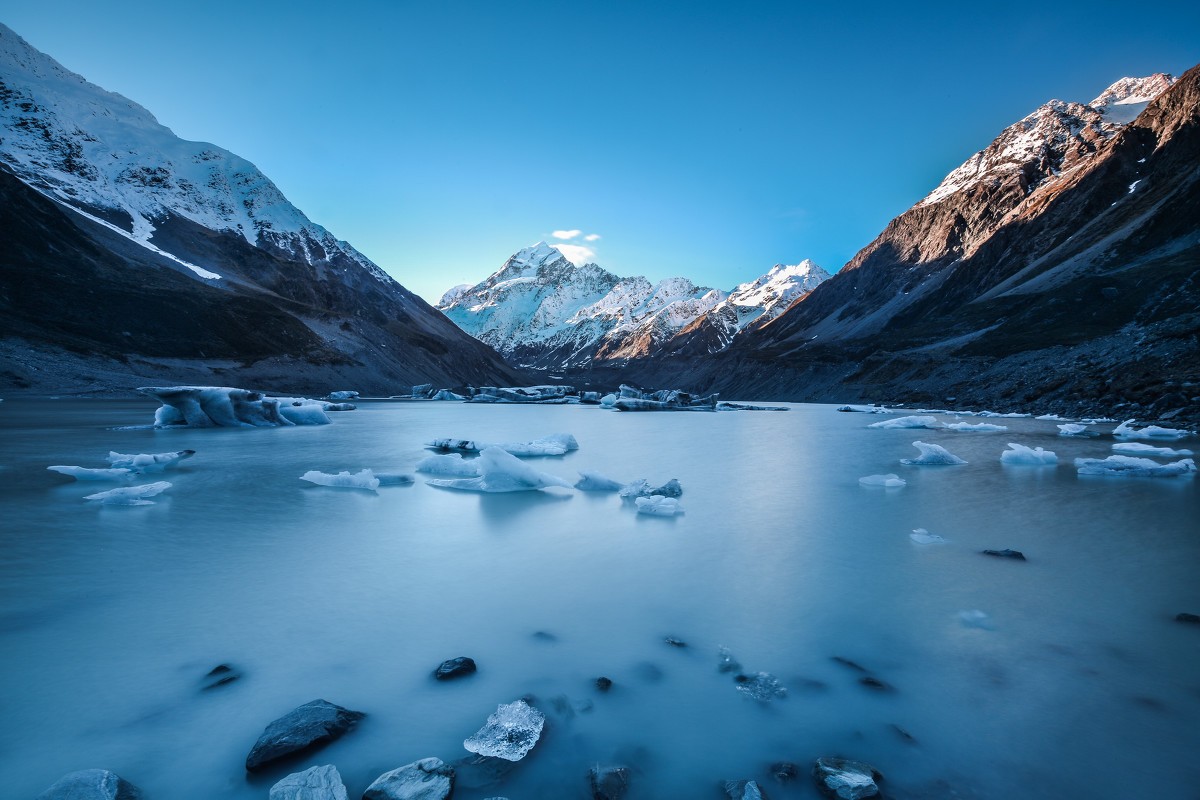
[(542, 310)]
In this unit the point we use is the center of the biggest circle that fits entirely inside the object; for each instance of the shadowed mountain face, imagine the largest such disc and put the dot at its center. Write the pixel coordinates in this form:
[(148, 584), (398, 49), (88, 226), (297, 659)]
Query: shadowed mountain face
[(135, 256), (1063, 266)]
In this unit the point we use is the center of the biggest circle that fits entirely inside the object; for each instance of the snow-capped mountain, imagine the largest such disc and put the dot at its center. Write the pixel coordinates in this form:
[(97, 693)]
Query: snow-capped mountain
[(541, 310), (158, 202)]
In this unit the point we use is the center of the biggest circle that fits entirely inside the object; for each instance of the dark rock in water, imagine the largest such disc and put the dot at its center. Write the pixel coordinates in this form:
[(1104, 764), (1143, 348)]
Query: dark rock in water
[(903, 734), (219, 676), (671, 640), (91, 784), (544, 636), (726, 662), (761, 686), (427, 779), (309, 726), (1184, 616), (561, 704), (604, 684), (854, 665), (784, 771), (871, 682), (845, 779), (481, 772), (671, 488), (454, 668), (648, 672), (608, 783), (1006, 553), (316, 783), (743, 790)]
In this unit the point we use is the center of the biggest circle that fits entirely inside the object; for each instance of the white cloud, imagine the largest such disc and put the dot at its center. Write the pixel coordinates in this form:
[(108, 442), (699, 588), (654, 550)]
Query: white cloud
[(591, 237), (566, 234), (577, 254)]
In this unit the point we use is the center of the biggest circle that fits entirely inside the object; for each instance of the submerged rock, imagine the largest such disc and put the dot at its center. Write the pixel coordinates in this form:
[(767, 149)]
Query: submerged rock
[(1184, 616), (845, 779), (477, 772), (675, 642), (454, 668), (784, 771), (1016, 555), (309, 726), (510, 733), (220, 675), (871, 682), (604, 684), (726, 662), (427, 779), (91, 784), (315, 783), (743, 790), (608, 783)]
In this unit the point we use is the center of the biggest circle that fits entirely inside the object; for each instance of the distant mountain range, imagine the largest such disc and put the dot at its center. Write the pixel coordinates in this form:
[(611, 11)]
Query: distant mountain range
[(132, 255), (544, 312)]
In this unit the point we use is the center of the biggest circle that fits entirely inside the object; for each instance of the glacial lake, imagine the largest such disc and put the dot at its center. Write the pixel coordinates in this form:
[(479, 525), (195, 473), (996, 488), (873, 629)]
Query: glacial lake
[(1078, 683)]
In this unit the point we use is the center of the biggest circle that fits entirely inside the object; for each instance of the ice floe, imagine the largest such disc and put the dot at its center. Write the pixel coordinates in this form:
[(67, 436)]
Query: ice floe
[(89, 474), (595, 482), (1139, 449), (148, 462), (922, 536), (500, 471), (556, 444), (344, 394), (449, 464), (222, 406), (1074, 429), (364, 479), (1029, 456), (1132, 466), (982, 427), (642, 488), (1126, 431), (907, 422), (932, 455), (510, 733), (1053, 418), (553, 395), (608, 401), (130, 495), (891, 480), (446, 394), (658, 506)]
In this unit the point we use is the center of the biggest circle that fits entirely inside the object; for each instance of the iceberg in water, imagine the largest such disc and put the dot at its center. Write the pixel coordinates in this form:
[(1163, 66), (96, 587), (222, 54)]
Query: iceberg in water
[(658, 506), (1052, 418), (595, 482), (500, 471), (130, 495), (1073, 429), (891, 480), (922, 536), (982, 427), (907, 422), (450, 464), (1126, 431), (394, 478), (225, 407), (88, 474), (344, 394), (1031, 456), (608, 401), (446, 394), (554, 445), (1137, 449), (510, 733), (642, 488), (148, 462), (932, 455), (365, 479), (1134, 467)]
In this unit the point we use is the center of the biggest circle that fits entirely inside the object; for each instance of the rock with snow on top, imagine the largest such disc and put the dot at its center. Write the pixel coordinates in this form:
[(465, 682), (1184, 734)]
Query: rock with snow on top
[(890, 481), (500, 471), (1131, 467), (932, 455), (509, 733), (92, 784), (1028, 456), (427, 779), (314, 783), (130, 495), (363, 479), (595, 482)]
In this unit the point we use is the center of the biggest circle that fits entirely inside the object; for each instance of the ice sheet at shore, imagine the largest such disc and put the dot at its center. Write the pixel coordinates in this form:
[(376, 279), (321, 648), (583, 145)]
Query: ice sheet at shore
[(932, 455), (1028, 456), (1133, 467), (907, 422), (556, 444), (227, 407), (500, 471)]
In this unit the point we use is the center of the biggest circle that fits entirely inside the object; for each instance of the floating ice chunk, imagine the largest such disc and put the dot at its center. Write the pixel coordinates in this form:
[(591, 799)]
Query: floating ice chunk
[(595, 482), (510, 733), (500, 471), (1127, 431), (724, 406), (1097, 420), (148, 462), (658, 506), (1031, 456), (761, 686), (1052, 418), (342, 395), (1134, 467), (891, 480), (982, 427), (556, 444), (130, 495), (451, 464), (338, 406), (88, 474), (869, 409), (394, 478), (608, 401), (222, 406), (446, 394), (922, 536), (642, 488), (976, 619), (1009, 415), (1137, 449), (932, 455), (907, 422), (1073, 429), (365, 479)]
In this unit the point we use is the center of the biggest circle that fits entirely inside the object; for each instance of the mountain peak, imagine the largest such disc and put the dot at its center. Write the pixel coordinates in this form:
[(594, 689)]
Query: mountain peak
[(1133, 90)]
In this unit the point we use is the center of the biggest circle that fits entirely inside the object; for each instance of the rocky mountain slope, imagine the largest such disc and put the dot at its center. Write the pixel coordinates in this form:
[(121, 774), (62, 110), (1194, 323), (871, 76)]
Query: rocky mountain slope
[(136, 256), (1059, 264), (543, 312)]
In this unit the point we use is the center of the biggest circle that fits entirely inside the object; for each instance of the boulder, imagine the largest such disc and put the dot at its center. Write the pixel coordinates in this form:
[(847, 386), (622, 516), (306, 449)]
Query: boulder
[(315, 783), (309, 726), (1184, 616), (91, 784), (743, 790), (454, 668), (608, 783), (427, 779), (603, 683), (219, 676), (1006, 553), (845, 779)]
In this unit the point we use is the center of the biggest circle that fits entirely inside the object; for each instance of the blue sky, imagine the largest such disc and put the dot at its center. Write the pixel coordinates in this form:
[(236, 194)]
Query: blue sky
[(710, 140)]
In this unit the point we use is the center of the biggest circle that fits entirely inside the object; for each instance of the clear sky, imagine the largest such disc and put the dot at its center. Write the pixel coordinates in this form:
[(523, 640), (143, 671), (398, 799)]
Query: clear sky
[(710, 140)]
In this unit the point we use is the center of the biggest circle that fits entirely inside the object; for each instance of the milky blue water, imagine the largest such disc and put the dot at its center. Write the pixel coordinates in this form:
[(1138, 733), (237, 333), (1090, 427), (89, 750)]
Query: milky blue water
[(1081, 685)]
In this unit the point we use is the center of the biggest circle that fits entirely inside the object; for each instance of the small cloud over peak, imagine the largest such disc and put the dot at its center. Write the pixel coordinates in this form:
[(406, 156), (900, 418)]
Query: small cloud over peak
[(577, 254), (571, 234), (591, 237)]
